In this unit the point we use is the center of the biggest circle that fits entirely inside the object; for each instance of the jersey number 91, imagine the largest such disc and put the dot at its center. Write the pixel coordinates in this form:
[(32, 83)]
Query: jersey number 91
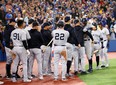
[(16, 36)]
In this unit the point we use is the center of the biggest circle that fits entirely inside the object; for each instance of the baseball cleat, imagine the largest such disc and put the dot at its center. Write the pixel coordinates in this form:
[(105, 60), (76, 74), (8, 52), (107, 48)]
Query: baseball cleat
[(98, 68), (90, 70), (64, 79), (27, 80), (69, 75), (41, 78), (49, 74), (33, 75), (13, 79), (103, 66), (30, 77), (107, 65), (1, 82), (7, 77), (55, 79), (83, 72), (44, 74), (75, 73)]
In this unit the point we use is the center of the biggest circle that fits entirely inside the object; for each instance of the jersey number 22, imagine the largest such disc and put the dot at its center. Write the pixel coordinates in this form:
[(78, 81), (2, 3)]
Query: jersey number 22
[(59, 36)]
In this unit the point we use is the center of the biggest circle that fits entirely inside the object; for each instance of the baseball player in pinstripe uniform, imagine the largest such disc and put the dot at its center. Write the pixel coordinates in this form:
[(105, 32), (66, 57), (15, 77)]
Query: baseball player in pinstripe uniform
[(18, 37), (34, 44), (88, 43), (69, 45), (8, 47), (98, 40), (79, 43), (47, 37), (104, 55), (30, 59), (60, 37)]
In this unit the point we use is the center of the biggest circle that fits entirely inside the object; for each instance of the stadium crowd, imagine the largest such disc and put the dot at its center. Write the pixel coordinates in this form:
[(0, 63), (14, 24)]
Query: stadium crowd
[(44, 10), (50, 12)]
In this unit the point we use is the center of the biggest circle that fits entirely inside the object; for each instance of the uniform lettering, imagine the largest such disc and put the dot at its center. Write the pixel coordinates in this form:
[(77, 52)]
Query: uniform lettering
[(59, 36), (16, 36)]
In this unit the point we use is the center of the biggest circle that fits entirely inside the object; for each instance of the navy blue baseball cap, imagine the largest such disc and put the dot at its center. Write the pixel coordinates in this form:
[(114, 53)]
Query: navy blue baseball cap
[(94, 24), (60, 24), (46, 24), (35, 23), (76, 21), (67, 18), (84, 20)]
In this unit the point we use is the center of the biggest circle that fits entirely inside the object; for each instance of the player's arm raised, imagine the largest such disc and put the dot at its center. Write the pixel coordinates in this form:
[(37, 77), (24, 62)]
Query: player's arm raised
[(90, 35)]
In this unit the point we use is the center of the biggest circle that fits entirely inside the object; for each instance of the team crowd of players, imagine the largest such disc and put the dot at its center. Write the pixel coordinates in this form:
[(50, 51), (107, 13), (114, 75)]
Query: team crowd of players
[(74, 30)]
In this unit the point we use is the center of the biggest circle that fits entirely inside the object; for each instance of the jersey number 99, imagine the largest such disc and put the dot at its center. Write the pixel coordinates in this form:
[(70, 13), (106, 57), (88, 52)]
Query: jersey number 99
[(59, 36), (16, 36)]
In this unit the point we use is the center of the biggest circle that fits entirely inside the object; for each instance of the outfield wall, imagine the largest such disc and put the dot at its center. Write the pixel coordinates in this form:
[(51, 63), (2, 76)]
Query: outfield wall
[(112, 46)]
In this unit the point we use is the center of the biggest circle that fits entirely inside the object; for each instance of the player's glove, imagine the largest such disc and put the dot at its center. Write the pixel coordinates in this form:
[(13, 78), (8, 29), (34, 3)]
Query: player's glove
[(28, 52), (79, 45), (43, 48), (13, 55), (63, 53)]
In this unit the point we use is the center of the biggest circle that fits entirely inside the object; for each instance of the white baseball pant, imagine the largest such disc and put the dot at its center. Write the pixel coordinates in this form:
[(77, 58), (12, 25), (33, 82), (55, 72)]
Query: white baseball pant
[(57, 56), (46, 61), (35, 53), (104, 53), (21, 55)]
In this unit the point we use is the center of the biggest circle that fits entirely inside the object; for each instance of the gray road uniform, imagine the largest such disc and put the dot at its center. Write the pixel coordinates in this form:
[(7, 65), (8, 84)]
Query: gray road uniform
[(88, 46), (105, 33), (47, 37), (8, 48), (60, 37), (97, 42), (69, 46), (80, 51), (97, 36), (35, 51), (18, 36), (30, 58), (87, 42)]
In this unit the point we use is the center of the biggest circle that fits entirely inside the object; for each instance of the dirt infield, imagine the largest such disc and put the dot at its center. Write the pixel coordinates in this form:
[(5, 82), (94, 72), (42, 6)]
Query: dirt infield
[(48, 80)]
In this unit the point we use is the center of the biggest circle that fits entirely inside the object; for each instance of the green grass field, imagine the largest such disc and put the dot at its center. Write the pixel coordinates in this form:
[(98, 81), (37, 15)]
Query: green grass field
[(106, 76)]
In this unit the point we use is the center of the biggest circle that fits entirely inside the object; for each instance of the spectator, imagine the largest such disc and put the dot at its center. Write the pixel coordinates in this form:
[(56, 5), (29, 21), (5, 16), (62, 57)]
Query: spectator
[(102, 10), (9, 16), (2, 14)]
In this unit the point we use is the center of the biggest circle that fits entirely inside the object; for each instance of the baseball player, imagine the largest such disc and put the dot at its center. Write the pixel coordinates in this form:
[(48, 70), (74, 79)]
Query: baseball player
[(98, 40), (69, 45), (30, 59), (79, 37), (60, 37), (8, 47), (105, 34), (18, 37), (88, 43), (47, 37), (35, 42)]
